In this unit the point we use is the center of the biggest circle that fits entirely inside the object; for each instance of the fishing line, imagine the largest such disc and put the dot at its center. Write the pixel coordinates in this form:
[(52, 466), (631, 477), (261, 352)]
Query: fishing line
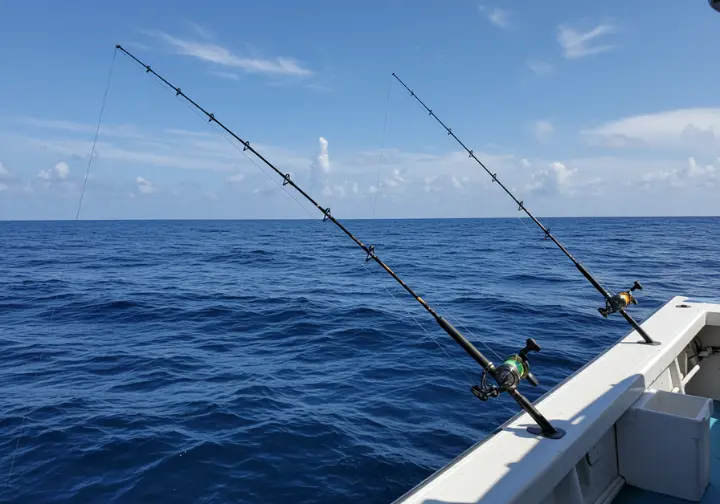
[(565, 274), (507, 376), (613, 303), (382, 146), (77, 217), (375, 198), (328, 231)]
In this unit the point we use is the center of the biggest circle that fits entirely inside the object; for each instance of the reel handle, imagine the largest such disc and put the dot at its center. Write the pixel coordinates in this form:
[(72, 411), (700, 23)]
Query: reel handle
[(530, 346)]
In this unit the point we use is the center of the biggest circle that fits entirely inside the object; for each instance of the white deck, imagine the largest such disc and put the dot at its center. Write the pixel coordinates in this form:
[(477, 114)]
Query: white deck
[(515, 466)]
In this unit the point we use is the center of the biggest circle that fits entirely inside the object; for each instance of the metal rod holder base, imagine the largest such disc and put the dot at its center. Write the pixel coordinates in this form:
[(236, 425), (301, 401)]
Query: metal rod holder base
[(537, 431)]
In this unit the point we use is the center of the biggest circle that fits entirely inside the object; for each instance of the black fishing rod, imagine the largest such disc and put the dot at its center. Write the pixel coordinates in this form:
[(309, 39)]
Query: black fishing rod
[(507, 375), (613, 303)]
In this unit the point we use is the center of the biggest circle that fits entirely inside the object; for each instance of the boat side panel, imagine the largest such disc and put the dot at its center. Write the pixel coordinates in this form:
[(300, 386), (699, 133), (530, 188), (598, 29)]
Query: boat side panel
[(514, 466)]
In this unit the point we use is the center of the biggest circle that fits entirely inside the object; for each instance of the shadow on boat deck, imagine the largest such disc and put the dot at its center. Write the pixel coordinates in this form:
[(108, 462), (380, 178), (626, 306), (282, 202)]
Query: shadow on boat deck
[(539, 466), (628, 495)]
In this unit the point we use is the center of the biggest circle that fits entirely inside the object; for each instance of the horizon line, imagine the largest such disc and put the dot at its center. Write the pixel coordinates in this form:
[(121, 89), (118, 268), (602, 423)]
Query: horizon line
[(130, 219)]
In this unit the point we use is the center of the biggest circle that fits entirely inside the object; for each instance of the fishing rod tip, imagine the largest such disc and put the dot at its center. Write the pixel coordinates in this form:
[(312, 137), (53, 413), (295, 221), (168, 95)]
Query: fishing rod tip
[(118, 46)]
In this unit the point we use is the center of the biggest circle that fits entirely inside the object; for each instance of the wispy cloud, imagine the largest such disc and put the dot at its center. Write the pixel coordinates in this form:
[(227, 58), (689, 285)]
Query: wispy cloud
[(144, 185), (189, 133), (220, 55), (577, 44), (237, 178), (193, 159), (203, 31), (498, 17), (120, 130), (539, 67)]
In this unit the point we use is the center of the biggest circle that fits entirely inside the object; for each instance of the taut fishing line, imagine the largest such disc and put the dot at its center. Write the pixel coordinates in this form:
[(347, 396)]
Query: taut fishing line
[(613, 303), (507, 376), (77, 217)]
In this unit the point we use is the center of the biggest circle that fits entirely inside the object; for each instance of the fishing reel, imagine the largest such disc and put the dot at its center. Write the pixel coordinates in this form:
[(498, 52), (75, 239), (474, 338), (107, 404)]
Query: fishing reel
[(509, 374), (620, 300)]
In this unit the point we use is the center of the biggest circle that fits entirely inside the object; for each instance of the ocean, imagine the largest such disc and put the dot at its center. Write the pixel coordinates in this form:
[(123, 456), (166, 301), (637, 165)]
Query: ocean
[(267, 362)]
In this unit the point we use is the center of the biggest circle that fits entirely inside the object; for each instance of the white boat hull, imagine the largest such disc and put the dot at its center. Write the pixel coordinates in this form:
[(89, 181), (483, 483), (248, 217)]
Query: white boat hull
[(513, 466)]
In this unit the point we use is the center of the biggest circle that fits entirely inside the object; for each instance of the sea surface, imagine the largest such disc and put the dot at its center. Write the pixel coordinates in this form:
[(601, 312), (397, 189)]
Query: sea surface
[(267, 362)]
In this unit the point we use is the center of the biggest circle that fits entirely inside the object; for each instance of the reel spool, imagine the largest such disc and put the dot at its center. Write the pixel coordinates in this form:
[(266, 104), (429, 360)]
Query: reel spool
[(509, 374), (620, 300)]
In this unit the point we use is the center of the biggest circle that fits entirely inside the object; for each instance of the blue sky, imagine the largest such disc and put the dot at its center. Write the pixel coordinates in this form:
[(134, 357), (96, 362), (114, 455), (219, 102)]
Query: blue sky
[(584, 108)]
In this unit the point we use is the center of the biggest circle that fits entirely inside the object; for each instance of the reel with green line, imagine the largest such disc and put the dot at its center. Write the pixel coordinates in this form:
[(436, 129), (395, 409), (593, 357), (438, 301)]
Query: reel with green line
[(509, 374)]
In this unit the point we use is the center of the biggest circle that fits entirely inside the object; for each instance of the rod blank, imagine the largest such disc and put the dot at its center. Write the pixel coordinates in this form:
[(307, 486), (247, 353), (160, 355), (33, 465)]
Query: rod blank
[(521, 207)]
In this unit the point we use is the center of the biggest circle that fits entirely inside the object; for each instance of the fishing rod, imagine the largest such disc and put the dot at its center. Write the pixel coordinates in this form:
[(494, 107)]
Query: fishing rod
[(507, 376), (613, 303)]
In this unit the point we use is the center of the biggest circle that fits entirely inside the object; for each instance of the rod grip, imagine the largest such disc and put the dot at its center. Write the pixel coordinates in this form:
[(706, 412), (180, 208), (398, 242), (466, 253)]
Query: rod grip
[(464, 343)]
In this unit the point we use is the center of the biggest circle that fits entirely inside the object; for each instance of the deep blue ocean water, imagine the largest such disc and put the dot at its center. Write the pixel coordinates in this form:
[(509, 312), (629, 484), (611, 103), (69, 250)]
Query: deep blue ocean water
[(265, 362)]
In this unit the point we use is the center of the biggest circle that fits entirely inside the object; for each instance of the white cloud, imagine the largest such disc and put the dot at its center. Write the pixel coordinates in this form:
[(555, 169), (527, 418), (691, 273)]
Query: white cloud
[(690, 175), (238, 177), (577, 44), (555, 179), (524, 163), (222, 56), (320, 167), (498, 17), (685, 128), (62, 170), (169, 148), (323, 160), (543, 129), (336, 190), (392, 184), (59, 171), (3, 171), (539, 67), (395, 180), (144, 185)]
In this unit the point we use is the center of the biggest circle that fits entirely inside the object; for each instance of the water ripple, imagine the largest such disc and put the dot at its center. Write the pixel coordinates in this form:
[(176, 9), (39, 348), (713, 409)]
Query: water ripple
[(213, 362)]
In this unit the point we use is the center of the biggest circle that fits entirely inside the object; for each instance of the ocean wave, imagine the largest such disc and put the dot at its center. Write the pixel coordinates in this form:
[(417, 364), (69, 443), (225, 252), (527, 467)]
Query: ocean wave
[(225, 362)]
